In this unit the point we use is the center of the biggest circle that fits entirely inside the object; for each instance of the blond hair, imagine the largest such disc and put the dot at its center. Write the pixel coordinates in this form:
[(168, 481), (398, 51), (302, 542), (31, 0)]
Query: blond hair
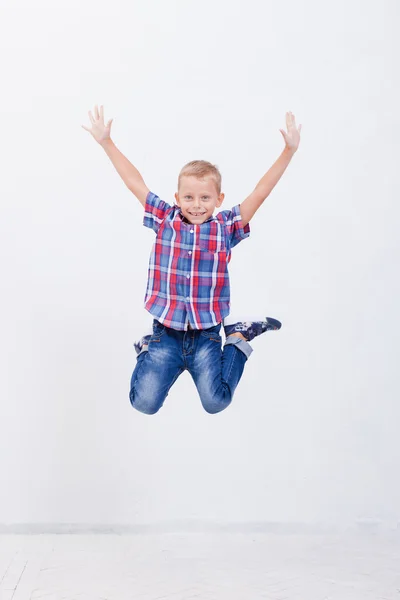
[(201, 169)]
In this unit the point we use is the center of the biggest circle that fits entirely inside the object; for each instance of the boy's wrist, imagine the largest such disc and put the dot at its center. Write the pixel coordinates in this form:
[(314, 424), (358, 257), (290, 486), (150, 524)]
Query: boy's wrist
[(289, 153), (105, 143)]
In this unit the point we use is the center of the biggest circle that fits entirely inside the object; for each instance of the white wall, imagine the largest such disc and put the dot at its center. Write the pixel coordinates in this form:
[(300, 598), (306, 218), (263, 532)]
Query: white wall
[(312, 434)]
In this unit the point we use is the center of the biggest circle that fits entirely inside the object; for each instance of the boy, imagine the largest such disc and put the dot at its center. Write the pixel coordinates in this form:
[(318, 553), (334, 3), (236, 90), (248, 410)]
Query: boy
[(188, 282)]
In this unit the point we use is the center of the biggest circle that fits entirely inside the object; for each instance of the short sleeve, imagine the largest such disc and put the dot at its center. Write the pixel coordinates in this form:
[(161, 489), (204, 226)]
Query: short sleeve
[(235, 231), (155, 211)]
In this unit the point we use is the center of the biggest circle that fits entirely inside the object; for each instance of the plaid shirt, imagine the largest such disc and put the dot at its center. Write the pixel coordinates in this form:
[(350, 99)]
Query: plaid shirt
[(188, 280)]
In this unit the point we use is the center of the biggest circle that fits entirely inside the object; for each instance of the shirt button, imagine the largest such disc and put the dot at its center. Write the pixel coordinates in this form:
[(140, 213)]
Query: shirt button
[(188, 276), (191, 231), (190, 252), (187, 298)]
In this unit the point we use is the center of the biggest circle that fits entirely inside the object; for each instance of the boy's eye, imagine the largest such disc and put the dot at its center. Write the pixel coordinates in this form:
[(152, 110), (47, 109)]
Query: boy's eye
[(206, 197), (187, 197)]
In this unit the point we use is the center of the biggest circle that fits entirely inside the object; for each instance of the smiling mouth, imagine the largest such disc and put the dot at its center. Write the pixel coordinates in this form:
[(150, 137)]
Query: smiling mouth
[(195, 214)]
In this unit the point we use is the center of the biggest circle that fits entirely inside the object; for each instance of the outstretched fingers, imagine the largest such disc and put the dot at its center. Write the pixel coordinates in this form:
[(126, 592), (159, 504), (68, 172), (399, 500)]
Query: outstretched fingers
[(290, 120)]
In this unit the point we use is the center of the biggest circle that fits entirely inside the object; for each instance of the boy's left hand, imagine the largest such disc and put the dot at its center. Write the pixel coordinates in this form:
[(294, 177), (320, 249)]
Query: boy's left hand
[(292, 137)]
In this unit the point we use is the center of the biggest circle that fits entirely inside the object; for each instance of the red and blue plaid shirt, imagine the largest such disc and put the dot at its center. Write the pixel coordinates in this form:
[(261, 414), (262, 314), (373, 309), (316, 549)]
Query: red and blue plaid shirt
[(188, 280)]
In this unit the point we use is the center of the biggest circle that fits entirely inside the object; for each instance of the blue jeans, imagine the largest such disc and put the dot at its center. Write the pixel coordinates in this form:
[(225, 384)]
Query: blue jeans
[(216, 372)]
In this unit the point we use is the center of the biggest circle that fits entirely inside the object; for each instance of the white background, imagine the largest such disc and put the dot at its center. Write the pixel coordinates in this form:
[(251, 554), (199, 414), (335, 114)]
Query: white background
[(312, 433)]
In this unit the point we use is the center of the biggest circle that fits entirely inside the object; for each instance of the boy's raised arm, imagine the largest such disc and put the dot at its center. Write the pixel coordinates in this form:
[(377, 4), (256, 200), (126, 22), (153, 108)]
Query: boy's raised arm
[(128, 173), (265, 186)]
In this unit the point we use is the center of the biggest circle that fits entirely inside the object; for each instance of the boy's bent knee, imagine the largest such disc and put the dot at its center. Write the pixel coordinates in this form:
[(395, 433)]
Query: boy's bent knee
[(147, 406), (213, 407), (214, 402)]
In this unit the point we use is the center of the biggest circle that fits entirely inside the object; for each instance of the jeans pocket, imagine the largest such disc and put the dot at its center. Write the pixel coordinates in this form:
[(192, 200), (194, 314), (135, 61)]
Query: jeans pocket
[(212, 333), (158, 331)]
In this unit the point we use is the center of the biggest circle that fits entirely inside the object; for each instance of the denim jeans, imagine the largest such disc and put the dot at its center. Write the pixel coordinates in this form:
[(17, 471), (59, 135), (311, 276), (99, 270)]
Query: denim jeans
[(215, 372)]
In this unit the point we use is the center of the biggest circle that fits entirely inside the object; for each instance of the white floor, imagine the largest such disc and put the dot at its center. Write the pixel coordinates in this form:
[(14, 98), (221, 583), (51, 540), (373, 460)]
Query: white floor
[(220, 566)]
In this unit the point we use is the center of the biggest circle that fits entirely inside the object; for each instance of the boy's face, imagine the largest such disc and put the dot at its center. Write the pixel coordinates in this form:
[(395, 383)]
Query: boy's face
[(198, 198)]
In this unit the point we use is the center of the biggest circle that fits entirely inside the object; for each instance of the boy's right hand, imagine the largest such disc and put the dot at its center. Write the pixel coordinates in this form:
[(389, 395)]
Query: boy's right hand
[(99, 130)]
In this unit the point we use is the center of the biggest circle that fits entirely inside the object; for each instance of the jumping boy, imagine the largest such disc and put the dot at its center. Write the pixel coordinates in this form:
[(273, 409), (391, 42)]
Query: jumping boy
[(188, 283)]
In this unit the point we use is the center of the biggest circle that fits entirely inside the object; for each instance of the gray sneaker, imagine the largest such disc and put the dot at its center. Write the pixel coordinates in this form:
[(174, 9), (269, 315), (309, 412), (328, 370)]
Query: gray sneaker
[(250, 329)]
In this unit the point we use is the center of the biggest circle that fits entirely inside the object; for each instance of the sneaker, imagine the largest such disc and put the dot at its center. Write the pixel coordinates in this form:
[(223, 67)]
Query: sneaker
[(144, 341), (250, 329)]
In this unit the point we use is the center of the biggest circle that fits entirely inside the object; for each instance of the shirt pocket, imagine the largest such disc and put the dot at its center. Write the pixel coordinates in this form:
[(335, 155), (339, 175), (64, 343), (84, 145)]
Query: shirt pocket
[(211, 237)]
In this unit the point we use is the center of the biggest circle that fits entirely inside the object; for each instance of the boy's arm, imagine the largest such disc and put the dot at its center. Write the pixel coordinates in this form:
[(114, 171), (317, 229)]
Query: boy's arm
[(265, 186), (128, 173)]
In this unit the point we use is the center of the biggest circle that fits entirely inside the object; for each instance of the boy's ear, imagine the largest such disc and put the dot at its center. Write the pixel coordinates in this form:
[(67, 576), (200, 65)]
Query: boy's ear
[(177, 198), (220, 199)]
